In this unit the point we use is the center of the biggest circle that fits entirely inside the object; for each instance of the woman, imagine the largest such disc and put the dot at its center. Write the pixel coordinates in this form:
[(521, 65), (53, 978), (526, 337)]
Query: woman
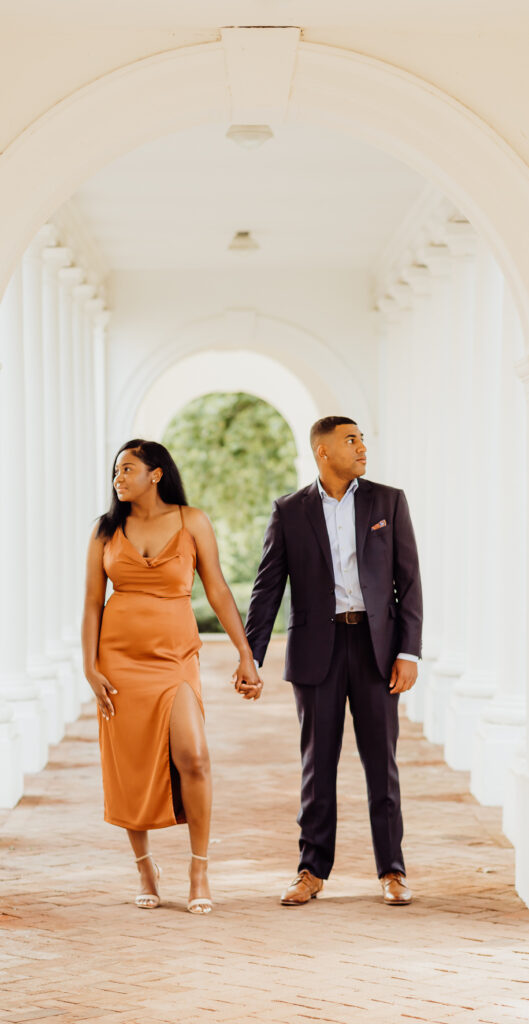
[(141, 659)]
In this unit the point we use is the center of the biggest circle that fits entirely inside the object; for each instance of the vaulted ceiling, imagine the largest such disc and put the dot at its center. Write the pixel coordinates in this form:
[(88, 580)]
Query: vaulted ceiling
[(310, 198)]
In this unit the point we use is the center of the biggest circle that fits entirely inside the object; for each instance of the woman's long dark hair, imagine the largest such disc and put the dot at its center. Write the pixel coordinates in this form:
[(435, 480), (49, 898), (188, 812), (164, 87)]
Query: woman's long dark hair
[(170, 487)]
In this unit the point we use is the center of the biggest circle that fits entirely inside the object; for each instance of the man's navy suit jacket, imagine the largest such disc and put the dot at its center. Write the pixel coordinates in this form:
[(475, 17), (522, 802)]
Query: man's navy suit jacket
[(296, 546)]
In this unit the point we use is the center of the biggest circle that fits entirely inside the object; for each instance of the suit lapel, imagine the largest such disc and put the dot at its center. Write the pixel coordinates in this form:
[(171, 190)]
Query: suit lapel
[(363, 505), (313, 506)]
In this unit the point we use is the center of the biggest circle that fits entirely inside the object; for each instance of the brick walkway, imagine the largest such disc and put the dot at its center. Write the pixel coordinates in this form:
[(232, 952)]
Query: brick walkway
[(74, 947)]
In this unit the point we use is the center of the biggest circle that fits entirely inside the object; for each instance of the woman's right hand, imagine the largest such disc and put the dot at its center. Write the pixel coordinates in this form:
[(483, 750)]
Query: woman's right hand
[(102, 688)]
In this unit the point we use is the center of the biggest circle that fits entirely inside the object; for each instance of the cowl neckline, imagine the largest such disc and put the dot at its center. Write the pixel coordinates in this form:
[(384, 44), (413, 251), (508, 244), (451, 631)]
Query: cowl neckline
[(164, 555)]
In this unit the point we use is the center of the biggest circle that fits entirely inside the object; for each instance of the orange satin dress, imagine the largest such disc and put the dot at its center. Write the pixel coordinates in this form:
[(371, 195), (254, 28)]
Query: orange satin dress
[(148, 646)]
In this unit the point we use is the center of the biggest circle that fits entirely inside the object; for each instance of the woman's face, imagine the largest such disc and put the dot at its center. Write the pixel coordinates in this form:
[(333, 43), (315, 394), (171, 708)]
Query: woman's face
[(132, 478)]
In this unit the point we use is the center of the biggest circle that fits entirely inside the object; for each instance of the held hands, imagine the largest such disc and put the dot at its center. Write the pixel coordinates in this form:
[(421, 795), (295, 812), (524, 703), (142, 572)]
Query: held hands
[(403, 675), (246, 679), (102, 688)]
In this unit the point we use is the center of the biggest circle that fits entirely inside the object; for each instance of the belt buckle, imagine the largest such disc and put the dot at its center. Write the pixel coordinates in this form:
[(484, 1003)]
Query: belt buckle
[(352, 621)]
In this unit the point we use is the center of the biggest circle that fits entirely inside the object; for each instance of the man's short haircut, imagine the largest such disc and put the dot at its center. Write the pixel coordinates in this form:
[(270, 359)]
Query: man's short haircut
[(326, 426)]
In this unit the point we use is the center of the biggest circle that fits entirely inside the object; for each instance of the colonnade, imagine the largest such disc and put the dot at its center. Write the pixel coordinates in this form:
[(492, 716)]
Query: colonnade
[(454, 422), (52, 450), (455, 386)]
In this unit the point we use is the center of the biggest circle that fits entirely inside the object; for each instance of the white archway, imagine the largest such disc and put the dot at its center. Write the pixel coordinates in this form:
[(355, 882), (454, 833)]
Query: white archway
[(380, 104), (255, 374), (321, 380)]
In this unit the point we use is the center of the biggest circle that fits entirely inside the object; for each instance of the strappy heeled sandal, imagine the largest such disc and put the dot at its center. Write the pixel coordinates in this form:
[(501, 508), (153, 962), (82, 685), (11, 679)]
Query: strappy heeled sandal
[(202, 902), (148, 900)]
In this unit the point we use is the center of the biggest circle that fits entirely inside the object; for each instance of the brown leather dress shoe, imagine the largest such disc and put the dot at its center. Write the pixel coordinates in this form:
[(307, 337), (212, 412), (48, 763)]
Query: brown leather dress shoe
[(395, 891), (302, 889)]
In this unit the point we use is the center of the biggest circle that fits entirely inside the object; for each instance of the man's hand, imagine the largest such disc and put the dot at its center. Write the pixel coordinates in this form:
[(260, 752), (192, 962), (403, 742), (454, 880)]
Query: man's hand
[(403, 675), (246, 679)]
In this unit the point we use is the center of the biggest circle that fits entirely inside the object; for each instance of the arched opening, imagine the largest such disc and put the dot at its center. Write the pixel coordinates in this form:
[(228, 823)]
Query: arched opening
[(247, 371), (228, 443)]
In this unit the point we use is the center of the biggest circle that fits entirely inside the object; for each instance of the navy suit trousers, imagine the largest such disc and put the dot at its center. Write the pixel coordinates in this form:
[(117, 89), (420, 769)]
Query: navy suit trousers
[(353, 676)]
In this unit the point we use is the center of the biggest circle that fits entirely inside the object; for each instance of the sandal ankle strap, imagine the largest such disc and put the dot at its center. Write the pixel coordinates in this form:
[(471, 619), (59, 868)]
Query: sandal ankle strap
[(197, 857), (145, 855)]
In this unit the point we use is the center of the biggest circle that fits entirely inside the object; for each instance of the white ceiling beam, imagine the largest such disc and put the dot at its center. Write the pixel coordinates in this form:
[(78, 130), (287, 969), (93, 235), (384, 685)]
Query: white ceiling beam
[(260, 65)]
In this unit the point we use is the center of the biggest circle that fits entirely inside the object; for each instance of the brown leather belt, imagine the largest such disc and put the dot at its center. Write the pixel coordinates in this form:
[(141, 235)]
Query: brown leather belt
[(351, 618)]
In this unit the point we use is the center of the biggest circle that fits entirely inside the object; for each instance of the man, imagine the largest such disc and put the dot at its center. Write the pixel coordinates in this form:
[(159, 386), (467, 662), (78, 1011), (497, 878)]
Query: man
[(354, 634)]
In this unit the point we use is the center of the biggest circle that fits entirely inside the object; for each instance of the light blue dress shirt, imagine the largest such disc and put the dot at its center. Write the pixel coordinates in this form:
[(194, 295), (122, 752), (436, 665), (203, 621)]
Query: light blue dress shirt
[(340, 522), (341, 528)]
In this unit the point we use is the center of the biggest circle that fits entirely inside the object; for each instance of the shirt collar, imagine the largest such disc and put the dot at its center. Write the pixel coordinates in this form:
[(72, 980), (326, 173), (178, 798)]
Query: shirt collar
[(326, 497)]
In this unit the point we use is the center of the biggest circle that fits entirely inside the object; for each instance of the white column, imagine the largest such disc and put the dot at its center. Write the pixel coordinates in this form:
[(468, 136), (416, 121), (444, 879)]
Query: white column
[(93, 310), (453, 468), (417, 442), (501, 727), (520, 767), (400, 412), (69, 278), (83, 461), (389, 362), (472, 691), (23, 741), (54, 259), (82, 294), (437, 259), (40, 666), (100, 410), (390, 311)]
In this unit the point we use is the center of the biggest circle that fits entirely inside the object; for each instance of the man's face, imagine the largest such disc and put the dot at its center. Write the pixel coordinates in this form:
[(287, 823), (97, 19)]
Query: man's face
[(345, 451)]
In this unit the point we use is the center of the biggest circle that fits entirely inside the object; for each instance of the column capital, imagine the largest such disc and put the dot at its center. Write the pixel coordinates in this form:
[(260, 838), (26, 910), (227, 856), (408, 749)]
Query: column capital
[(437, 258), (419, 279), (102, 319), (83, 293), (97, 312), (71, 277), (402, 293), (94, 307), (56, 257), (390, 308), (461, 239), (47, 235)]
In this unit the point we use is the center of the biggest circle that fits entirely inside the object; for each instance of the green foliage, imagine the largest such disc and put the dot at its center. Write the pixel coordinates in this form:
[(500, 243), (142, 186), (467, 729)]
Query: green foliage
[(208, 621), (236, 454)]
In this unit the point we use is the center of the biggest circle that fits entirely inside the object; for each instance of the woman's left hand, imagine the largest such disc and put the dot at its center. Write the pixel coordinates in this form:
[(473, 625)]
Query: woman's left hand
[(246, 679)]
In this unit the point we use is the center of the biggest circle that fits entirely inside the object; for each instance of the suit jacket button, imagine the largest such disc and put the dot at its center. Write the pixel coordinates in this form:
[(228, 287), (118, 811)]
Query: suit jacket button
[(332, 619)]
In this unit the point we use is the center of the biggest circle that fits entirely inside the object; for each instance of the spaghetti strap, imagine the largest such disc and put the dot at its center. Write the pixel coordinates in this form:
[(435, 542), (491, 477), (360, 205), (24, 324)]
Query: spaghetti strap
[(182, 523)]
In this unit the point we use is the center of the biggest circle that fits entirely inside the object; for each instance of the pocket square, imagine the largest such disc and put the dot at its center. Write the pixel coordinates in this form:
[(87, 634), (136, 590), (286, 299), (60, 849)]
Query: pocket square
[(378, 526)]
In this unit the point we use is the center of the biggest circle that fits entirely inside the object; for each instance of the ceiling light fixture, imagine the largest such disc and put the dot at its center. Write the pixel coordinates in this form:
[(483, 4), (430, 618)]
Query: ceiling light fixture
[(242, 241), (250, 136)]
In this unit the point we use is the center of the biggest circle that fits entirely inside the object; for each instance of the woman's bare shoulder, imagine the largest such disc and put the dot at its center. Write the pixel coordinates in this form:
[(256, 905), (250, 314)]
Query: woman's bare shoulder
[(195, 518), (96, 537)]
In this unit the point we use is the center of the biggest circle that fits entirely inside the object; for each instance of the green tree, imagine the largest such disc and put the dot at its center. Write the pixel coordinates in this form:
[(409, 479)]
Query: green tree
[(236, 454)]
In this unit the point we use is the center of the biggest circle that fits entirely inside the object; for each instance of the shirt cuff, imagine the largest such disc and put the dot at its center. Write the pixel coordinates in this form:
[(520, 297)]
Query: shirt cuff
[(256, 663), (408, 657)]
